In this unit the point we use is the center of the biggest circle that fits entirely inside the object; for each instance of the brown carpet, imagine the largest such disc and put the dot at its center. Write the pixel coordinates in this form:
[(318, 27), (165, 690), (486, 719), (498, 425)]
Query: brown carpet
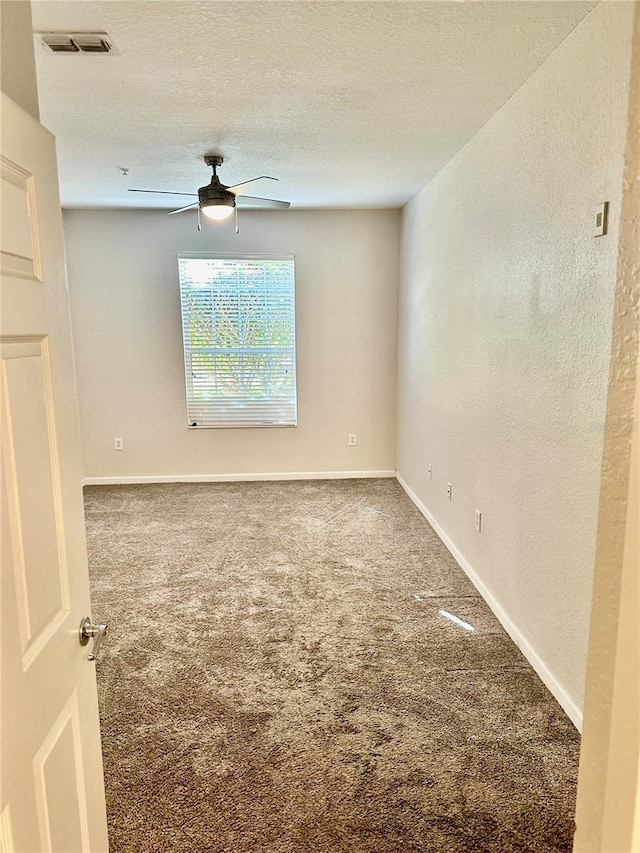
[(278, 678)]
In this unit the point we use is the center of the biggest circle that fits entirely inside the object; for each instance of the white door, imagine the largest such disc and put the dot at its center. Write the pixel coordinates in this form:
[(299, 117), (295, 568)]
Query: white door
[(52, 795)]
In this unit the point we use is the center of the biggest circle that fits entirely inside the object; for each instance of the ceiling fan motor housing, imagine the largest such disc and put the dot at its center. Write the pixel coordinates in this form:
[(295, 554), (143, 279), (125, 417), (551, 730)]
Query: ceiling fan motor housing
[(215, 194)]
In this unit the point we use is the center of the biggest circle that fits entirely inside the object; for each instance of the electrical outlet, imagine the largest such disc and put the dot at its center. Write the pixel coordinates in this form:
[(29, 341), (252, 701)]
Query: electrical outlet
[(353, 439), (449, 491), (118, 444), (478, 521), (430, 472)]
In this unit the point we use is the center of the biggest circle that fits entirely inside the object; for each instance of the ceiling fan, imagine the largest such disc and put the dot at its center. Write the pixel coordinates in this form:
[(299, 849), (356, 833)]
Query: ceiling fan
[(218, 201)]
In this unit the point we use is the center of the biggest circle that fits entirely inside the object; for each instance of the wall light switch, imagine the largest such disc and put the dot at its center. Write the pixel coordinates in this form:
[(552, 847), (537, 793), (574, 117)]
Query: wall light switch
[(430, 472), (478, 521), (449, 491), (600, 219)]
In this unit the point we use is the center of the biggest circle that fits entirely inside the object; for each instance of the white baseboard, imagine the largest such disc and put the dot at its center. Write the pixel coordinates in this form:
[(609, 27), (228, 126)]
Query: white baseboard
[(235, 478), (546, 675)]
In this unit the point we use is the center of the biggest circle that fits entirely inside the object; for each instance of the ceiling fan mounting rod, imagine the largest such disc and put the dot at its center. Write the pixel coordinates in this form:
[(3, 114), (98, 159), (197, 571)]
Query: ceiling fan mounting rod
[(213, 160)]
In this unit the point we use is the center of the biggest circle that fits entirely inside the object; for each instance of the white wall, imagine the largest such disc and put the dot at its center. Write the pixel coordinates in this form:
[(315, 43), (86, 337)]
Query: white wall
[(504, 336), (17, 61), (127, 332)]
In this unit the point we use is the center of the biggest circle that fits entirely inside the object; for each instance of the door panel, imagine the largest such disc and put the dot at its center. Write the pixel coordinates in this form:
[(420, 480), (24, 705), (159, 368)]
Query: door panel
[(34, 502), (52, 794), (19, 244), (58, 771)]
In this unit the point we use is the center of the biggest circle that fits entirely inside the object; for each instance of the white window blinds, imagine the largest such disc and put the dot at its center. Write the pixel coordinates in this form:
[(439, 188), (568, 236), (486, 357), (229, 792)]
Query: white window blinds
[(238, 320)]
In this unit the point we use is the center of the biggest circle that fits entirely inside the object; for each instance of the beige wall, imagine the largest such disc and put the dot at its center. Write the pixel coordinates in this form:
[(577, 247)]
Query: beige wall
[(17, 63), (127, 332), (504, 336)]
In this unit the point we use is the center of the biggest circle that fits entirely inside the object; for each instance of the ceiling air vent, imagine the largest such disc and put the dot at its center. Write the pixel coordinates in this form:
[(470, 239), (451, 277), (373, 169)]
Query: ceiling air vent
[(77, 42)]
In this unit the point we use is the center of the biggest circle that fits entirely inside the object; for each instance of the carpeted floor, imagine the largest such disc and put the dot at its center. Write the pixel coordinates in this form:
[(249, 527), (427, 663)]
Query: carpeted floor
[(278, 678)]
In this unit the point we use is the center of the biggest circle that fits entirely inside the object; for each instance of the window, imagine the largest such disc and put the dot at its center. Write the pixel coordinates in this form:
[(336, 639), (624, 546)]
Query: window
[(238, 321)]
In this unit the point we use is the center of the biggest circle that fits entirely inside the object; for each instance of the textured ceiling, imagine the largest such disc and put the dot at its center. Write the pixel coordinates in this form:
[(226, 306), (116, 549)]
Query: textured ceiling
[(348, 103)]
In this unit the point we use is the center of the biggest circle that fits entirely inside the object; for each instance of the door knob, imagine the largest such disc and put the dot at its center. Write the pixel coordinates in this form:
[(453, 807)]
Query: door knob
[(89, 630)]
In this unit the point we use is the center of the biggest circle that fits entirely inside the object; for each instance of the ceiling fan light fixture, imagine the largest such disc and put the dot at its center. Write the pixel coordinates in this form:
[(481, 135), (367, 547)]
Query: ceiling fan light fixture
[(218, 210)]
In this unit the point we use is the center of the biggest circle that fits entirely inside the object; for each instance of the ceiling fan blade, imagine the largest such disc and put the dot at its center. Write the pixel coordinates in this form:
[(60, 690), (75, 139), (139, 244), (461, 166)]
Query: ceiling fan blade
[(236, 187), (181, 209), (250, 201), (161, 192)]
